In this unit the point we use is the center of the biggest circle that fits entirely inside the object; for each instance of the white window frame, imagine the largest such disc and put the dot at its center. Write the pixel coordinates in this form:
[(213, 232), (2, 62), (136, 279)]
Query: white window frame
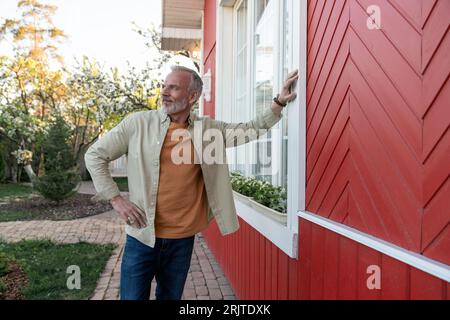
[(284, 237)]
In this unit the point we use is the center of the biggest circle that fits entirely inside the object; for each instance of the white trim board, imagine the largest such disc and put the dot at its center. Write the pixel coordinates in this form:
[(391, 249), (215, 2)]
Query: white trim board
[(280, 235), (432, 267)]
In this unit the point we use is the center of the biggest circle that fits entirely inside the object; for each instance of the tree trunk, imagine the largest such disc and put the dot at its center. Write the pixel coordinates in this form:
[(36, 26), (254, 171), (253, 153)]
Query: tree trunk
[(14, 173), (81, 165), (30, 172), (41, 168)]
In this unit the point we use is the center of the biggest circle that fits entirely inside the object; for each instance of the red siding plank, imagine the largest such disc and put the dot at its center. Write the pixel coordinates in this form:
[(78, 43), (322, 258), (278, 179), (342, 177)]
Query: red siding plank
[(275, 271), (293, 279), (262, 264), (348, 262), (269, 271), (305, 253), (394, 279), (425, 286), (436, 121), (283, 273), (436, 74), (317, 263), (434, 31), (331, 266), (436, 215), (440, 247)]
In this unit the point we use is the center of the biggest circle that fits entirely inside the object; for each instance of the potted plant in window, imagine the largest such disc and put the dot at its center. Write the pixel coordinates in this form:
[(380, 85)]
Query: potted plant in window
[(261, 196)]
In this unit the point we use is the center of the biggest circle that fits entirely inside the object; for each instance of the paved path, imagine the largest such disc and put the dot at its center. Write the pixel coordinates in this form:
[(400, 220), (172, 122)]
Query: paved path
[(205, 279)]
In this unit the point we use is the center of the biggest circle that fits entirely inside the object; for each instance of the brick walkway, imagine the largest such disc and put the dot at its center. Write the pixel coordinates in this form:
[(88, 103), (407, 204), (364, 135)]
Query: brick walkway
[(205, 279)]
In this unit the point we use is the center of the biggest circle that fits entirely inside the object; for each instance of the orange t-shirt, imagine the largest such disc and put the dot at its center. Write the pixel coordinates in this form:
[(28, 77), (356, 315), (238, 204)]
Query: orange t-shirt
[(181, 204)]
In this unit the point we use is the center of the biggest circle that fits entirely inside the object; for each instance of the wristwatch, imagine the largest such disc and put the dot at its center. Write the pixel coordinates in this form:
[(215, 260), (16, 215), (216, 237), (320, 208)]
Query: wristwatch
[(275, 99)]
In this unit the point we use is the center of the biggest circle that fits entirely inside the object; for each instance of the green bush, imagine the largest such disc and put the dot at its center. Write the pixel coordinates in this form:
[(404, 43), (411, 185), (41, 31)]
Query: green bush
[(60, 179), (58, 153), (57, 186), (262, 192)]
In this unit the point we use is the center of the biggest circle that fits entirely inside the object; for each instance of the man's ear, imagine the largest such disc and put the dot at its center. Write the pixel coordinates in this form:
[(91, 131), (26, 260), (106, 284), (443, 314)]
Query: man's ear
[(193, 97)]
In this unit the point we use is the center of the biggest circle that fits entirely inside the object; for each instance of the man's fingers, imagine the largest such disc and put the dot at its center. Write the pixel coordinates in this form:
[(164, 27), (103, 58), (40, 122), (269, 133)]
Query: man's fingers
[(293, 73), (136, 218), (289, 82), (141, 215), (291, 97), (131, 212)]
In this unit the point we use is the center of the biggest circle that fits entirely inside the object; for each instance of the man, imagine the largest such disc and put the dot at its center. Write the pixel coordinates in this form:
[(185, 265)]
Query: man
[(170, 201)]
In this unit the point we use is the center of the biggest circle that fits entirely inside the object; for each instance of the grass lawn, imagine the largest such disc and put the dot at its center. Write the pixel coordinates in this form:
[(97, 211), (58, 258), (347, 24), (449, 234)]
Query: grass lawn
[(17, 191), (46, 265), (14, 190), (6, 216), (122, 183)]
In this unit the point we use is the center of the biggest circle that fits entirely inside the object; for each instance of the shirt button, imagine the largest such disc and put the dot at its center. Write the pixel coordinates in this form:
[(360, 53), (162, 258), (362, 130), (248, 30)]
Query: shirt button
[(156, 163), (157, 142)]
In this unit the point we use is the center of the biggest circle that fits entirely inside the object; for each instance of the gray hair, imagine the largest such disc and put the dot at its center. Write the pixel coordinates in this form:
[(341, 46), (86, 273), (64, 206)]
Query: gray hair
[(196, 82)]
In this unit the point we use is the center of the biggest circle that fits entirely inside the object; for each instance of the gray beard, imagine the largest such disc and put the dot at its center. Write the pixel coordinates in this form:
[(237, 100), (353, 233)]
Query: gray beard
[(175, 107)]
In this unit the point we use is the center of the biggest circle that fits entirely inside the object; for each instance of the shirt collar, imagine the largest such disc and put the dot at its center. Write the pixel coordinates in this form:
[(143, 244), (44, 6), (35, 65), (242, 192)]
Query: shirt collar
[(164, 117)]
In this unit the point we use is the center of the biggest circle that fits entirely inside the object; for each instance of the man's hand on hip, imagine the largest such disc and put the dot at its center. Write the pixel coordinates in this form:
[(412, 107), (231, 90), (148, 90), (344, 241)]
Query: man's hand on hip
[(129, 212)]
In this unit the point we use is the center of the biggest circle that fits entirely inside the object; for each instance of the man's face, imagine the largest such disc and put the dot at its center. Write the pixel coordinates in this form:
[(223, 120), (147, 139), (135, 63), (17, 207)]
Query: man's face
[(175, 92)]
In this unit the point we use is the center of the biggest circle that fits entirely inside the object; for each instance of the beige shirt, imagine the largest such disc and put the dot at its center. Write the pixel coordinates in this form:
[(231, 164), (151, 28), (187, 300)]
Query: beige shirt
[(141, 135)]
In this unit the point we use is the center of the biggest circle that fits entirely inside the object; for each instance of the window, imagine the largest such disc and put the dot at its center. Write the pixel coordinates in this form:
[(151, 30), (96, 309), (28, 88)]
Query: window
[(258, 43), (256, 79)]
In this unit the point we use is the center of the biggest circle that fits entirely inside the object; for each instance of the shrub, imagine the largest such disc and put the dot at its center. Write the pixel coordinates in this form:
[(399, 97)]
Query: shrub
[(60, 179), (262, 192), (58, 153), (57, 186)]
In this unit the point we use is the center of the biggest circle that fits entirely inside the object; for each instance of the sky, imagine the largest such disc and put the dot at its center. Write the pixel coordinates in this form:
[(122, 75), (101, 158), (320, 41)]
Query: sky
[(101, 29)]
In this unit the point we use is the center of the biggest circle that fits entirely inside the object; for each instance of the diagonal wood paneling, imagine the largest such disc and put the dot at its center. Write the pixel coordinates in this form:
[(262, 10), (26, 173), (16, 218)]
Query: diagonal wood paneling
[(378, 120)]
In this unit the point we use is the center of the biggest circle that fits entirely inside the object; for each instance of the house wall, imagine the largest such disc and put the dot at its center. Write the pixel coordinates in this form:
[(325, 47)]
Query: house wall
[(378, 158), (209, 51)]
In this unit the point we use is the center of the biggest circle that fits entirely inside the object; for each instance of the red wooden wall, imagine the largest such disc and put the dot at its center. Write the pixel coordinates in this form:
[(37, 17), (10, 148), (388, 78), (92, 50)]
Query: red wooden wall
[(209, 51), (378, 158), (378, 115)]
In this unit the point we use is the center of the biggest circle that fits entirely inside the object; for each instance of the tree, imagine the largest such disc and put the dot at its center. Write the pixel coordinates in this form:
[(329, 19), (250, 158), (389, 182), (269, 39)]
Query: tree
[(57, 151), (99, 99), (22, 124), (35, 35), (61, 179), (30, 92)]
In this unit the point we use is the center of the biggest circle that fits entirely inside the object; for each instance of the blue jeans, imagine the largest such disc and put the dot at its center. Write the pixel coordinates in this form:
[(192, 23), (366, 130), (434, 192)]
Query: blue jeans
[(169, 261)]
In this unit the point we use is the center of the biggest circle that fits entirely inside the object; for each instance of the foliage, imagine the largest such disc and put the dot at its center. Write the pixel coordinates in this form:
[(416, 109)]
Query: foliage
[(261, 191), (92, 100), (23, 156), (4, 269), (122, 183), (56, 185), (4, 260), (34, 34), (58, 153), (3, 151)]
